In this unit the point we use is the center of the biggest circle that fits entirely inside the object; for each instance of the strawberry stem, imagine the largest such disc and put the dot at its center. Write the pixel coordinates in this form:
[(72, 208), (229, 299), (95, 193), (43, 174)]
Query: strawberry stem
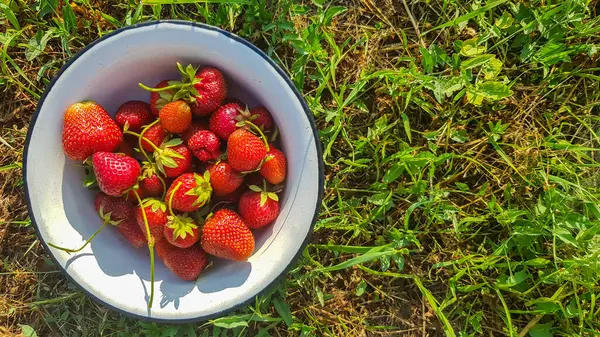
[(171, 199), (262, 135), (169, 87), (150, 248), (164, 185), (68, 250), (141, 137)]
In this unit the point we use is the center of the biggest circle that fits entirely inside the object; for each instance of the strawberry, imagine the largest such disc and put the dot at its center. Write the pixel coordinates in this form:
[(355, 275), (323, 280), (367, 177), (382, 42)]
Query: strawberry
[(245, 151), (224, 121), (186, 263), (196, 126), (176, 117), (131, 231), (205, 145), (225, 235), (156, 215), (258, 207), (212, 90), (88, 129), (135, 113), (224, 179), (115, 172), (127, 145), (261, 117), (156, 135), (151, 186), (274, 167), (119, 208), (159, 99), (173, 158), (190, 191), (181, 231)]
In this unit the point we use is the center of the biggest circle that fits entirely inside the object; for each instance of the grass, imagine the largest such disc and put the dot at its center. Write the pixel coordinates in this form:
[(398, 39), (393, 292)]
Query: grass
[(461, 146)]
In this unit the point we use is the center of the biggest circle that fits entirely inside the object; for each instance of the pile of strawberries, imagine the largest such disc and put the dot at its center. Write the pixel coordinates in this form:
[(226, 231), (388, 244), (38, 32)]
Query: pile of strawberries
[(172, 173)]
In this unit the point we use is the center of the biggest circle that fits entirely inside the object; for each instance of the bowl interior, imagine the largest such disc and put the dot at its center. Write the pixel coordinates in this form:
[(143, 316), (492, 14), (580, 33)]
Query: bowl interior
[(109, 269)]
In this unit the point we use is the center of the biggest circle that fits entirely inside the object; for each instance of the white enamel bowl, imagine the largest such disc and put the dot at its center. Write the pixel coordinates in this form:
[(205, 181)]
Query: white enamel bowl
[(109, 269)]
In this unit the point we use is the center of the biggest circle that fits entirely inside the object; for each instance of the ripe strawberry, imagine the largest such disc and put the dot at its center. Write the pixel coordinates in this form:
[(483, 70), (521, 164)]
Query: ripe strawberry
[(205, 145), (88, 129), (156, 215), (245, 151), (226, 236), (176, 117), (135, 113), (181, 231), (151, 186), (159, 99), (258, 207), (224, 179), (173, 158), (127, 145), (274, 167), (115, 172), (212, 90), (119, 208), (186, 263), (131, 231), (190, 191), (261, 117), (224, 121), (196, 126), (156, 134)]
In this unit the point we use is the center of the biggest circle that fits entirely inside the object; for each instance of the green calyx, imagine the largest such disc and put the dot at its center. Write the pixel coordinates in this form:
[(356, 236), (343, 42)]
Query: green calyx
[(183, 90), (165, 155), (106, 217), (202, 190), (182, 226), (264, 194), (154, 204)]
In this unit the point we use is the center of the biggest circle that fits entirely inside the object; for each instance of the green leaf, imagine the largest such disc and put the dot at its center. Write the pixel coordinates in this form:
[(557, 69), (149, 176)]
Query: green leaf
[(27, 331), (10, 15), (492, 68), (263, 199), (513, 280), (283, 309), (255, 188), (470, 15), (69, 17), (331, 12), (172, 142), (273, 196), (541, 330), (111, 20), (370, 256), (505, 21), (231, 322), (168, 162), (393, 173), (399, 260), (360, 289), (566, 236), (406, 123), (462, 186), (470, 47), (476, 61), (37, 44), (491, 91), (47, 7)]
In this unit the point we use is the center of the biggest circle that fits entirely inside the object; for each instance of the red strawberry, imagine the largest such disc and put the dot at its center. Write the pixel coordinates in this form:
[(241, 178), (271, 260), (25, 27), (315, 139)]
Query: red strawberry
[(119, 208), (173, 158), (135, 113), (181, 231), (176, 117), (126, 146), (159, 99), (196, 126), (156, 134), (131, 231), (186, 263), (190, 192), (224, 121), (274, 167), (205, 145), (152, 186), (226, 236), (115, 172), (258, 207), (88, 129), (224, 179), (261, 117), (245, 151), (212, 90), (156, 215)]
